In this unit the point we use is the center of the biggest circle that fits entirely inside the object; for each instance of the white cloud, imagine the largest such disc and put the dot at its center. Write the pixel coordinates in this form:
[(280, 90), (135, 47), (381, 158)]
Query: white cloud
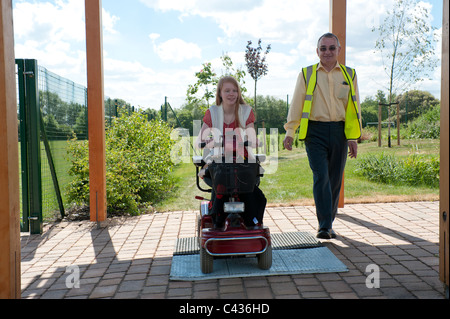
[(154, 36), (143, 86), (109, 21), (49, 22), (53, 32), (274, 20), (167, 5), (189, 6), (177, 50), (58, 57), (62, 21)]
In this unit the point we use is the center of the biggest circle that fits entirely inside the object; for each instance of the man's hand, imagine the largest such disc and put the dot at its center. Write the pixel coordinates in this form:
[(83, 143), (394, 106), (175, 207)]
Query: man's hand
[(352, 149), (288, 141)]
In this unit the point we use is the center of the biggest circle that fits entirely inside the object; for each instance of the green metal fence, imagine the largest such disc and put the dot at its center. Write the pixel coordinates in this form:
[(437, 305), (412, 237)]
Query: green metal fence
[(63, 105), (50, 110)]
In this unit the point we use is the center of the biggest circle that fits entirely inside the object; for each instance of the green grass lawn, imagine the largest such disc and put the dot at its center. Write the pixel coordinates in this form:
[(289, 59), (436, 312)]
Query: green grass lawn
[(290, 185), (50, 208), (292, 182)]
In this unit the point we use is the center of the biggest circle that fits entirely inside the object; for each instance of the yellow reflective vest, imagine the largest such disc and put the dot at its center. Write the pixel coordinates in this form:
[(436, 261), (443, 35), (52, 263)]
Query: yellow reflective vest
[(352, 118)]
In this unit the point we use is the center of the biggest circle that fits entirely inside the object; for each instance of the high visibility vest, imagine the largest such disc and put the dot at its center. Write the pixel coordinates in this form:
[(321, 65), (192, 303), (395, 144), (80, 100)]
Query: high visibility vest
[(352, 118)]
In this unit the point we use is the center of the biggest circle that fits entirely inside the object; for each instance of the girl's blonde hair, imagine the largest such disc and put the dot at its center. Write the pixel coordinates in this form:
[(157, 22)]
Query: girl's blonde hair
[(240, 99)]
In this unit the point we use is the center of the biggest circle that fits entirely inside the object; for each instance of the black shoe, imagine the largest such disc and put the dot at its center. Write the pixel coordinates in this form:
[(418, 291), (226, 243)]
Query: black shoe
[(323, 234), (332, 233)]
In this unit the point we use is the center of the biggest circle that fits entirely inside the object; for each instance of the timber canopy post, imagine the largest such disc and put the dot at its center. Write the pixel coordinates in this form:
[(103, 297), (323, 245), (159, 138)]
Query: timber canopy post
[(444, 210), (338, 26), (96, 110), (9, 161)]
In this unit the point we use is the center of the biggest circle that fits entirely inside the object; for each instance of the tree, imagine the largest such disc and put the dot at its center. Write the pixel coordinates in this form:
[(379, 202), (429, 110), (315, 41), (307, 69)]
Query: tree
[(238, 74), (256, 62), (416, 103), (273, 110), (81, 126), (369, 108), (406, 43), (369, 111), (207, 80)]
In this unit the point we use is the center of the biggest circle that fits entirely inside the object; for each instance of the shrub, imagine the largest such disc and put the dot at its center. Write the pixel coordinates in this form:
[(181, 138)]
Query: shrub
[(415, 170), (427, 125), (137, 164), (419, 170)]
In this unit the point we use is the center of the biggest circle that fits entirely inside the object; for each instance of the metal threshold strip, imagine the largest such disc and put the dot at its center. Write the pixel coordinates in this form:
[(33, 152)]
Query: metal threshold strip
[(289, 240)]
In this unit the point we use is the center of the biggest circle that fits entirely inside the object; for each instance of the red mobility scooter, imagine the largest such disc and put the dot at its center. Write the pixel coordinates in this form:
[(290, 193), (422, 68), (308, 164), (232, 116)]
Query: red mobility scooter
[(230, 238)]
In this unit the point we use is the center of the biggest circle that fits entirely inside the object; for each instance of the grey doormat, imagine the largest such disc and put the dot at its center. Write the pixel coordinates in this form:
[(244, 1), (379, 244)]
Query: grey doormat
[(284, 262), (289, 240), (293, 253)]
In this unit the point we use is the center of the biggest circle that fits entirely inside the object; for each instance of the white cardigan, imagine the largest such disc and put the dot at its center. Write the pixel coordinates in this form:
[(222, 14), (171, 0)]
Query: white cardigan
[(217, 116)]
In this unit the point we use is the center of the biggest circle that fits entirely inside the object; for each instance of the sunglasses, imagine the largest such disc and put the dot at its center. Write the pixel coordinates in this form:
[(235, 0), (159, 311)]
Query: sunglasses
[(331, 48)]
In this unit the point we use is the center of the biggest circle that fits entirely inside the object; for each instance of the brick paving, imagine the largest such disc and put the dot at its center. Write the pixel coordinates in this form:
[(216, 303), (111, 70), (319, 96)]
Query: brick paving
[(131, 257)]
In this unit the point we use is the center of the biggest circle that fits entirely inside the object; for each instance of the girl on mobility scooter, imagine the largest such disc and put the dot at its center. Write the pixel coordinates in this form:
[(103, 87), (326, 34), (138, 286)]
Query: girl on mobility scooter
[(231, 223)]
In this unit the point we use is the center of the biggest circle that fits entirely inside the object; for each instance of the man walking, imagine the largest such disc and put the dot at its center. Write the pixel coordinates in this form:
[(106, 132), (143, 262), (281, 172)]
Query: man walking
[(325, 105)]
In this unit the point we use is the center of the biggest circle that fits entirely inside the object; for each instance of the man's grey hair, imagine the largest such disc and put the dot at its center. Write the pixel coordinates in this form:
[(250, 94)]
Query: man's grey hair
[(331, 36)]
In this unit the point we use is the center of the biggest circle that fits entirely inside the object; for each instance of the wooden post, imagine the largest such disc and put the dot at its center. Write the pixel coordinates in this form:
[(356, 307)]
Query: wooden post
[(398, 124), (379, 123), (9, 161), (444, 210), (338, 26), (96, 110)]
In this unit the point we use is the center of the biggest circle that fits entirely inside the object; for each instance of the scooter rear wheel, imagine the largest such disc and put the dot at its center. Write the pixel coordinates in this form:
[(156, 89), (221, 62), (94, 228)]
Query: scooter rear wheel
[(265, 259), (206, 261)]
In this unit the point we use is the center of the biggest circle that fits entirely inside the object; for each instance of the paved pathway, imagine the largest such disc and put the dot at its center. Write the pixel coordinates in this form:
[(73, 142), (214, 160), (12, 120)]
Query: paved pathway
[(131, 257)]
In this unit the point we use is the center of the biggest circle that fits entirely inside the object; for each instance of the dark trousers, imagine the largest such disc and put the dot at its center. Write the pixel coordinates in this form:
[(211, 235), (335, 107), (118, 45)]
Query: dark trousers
[(327, 148), (255, 205)]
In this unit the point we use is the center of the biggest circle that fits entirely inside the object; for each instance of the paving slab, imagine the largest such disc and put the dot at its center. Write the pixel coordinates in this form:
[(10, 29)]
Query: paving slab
[(131, 258)]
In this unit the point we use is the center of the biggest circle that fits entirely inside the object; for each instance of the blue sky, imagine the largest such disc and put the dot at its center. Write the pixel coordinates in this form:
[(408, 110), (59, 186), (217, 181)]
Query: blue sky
[(153, 48)]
